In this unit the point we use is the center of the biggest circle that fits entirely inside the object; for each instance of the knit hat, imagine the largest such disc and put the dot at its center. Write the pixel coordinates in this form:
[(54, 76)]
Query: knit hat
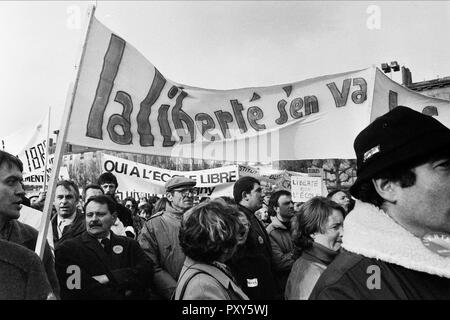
[(396, 137)]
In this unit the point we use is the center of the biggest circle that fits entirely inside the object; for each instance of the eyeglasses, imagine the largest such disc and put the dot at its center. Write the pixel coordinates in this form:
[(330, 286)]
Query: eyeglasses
[(287, 203), (185, 192)]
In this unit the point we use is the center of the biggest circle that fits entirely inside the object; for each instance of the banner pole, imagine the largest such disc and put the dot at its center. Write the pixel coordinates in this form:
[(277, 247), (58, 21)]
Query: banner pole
[(41, 240), (47, 151)]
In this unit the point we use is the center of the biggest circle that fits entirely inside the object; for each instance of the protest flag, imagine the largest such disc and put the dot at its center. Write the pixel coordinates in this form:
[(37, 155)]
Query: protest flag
[(45, 221), (29, 145)]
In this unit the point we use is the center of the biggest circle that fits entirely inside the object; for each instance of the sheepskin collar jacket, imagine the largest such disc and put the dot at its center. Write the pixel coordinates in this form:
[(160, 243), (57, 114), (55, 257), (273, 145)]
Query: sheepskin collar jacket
[(382, 260)]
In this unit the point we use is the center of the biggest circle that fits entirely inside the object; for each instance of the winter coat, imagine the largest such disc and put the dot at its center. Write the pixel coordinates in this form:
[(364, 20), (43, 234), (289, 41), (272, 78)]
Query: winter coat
[(382, 260), (77, 227), (26, 236), (282, 249), (22, 275), (252, 263), (202, 281), (128, 268), (307, 270), (159, 240)]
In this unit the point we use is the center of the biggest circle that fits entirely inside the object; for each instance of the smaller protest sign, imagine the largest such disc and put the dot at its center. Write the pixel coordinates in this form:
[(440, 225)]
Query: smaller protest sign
[(305, 188), (36, 178), (29, 145), (138, 179)]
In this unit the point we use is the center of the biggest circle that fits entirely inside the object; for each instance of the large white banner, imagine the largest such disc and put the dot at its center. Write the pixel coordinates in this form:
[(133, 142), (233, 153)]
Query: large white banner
[(137, 179), (124, 103), (389, 94)]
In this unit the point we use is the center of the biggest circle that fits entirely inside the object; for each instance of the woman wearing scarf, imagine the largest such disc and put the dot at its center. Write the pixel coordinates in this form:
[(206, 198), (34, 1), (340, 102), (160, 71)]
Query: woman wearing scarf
[(317, 231)]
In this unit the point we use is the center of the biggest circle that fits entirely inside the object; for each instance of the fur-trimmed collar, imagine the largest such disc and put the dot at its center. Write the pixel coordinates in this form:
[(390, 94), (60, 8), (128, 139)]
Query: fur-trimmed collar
[(370, 232)]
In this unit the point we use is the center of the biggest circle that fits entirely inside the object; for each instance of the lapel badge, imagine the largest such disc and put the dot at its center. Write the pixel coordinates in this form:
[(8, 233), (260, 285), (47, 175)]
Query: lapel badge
[(438, 243), (252, 283), (118, 249), (260, 239)]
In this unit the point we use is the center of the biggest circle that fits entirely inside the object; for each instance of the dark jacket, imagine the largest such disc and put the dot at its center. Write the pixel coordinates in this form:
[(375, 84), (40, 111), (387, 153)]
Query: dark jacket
[(307, 270), (22, 275), (282, 250), (124, 215), (347, 278), (26, 236), (159, 240), (127, 267), (73, 230), (252, 263)]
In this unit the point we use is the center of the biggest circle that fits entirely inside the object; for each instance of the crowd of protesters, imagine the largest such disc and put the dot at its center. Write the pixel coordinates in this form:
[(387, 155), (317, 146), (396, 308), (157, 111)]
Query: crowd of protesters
[(254, 246)]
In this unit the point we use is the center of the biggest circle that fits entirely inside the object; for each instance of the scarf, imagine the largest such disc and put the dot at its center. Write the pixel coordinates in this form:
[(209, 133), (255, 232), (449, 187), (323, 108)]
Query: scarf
[(319, 253)]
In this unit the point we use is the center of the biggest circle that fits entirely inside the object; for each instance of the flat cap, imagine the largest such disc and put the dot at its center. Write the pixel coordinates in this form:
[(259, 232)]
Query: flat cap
[(179, 181)]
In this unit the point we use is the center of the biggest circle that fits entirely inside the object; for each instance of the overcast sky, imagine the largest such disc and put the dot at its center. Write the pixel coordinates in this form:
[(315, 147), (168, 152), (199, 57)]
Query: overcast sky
[(215, 45)]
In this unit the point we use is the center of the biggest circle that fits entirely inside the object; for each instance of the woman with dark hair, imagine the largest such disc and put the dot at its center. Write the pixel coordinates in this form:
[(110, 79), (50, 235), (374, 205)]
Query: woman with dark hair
[(138, 221), (209, 236), (317, 231)]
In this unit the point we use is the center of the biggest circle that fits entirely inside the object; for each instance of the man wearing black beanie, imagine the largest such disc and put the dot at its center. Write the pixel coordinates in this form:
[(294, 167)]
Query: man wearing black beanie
[(397, 238)]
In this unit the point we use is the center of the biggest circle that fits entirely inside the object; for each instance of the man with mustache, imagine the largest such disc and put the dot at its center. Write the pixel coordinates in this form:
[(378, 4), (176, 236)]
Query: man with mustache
[(68, 221), (106, 266), (11, 192), (159, 236), (92, 190)]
